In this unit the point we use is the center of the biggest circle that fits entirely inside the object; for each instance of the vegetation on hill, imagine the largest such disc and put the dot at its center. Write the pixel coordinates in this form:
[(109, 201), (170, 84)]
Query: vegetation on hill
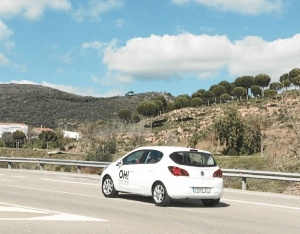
[(37, 105)]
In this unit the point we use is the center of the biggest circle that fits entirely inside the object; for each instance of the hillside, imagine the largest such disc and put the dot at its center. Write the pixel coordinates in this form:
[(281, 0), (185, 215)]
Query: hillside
[(38, 105)]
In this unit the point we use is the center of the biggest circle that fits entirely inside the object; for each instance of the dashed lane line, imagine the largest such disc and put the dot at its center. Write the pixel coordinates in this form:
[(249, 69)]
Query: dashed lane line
[(70, 182)]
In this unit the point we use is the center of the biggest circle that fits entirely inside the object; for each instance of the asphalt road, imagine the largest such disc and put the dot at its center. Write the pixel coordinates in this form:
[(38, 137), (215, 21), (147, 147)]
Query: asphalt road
[(48, 202)]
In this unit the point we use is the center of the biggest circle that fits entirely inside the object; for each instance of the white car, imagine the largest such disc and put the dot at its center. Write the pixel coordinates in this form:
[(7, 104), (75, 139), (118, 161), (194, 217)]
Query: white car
[(165, 173)]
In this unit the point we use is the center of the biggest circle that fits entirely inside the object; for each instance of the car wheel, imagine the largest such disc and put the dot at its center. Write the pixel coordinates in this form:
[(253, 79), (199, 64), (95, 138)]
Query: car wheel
[(210, 202), (159, 195), (108, 188)]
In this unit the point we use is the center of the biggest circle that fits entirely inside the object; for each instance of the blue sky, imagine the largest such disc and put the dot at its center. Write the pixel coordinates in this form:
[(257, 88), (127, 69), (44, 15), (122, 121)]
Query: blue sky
[(105, 48)]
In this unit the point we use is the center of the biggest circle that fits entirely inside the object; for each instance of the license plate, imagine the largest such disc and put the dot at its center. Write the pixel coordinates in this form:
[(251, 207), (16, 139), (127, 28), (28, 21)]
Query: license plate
[(201, 190)]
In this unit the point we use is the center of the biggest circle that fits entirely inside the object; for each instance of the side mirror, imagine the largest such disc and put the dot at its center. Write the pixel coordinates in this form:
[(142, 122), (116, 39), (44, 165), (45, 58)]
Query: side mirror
[(119, 163)]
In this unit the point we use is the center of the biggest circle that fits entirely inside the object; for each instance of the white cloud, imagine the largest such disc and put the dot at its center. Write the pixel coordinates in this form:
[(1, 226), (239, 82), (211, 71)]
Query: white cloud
[(20, 82), (82, 91), (3, 60), (95, 9), (4, 31), (31, 9), (70, 89), (162, 57), (9, 45), (252, 7), (68, 57), (94, 45)]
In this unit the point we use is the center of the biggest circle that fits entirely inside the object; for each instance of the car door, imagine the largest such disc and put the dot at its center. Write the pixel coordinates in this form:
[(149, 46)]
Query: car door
[(147, 171), (128, 172)]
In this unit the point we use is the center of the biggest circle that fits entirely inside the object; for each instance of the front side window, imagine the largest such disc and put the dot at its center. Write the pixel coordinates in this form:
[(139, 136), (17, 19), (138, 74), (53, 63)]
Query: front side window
[(134, 158), (143, 157), (198, 159)]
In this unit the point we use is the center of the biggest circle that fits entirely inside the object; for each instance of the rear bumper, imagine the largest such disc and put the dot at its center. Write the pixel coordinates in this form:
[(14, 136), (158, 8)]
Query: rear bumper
[(185, 191)]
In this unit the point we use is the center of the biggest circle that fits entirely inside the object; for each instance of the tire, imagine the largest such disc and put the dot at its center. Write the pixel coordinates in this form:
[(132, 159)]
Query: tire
[(210, 202), (108, 188), (160, 196)]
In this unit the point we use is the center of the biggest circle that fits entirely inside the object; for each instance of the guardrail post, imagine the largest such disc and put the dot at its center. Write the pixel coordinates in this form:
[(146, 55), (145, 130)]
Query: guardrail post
[(9, 165), (244, 183), (41, 166), (79, 169)]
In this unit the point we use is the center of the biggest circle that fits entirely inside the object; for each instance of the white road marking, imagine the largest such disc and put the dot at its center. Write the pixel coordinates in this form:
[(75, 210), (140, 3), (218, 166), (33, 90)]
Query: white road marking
[(70, 182), (262, 204), (184, 209), (262, 193), (20, 177), (45, 215), (20, 210), (52, 191)]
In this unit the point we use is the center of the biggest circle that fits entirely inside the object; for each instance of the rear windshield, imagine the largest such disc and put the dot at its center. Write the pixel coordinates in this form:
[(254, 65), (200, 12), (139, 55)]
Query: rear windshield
[(198, 159)]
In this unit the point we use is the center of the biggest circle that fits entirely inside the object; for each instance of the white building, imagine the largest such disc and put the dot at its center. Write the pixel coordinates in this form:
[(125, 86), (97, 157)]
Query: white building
[(69, 134), (13, 127)]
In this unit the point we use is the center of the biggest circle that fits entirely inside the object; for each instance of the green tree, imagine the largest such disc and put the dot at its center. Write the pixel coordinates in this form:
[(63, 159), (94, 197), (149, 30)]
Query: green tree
[(239, 92), (230, 130), (218, 90), (294, 73), (182, 101), (196, 102), (46, 137), (163, 100), (61, 141), (208, 97), (285, 80), (8, 139), (125, 115), (251, 141), (246, 82), (160, 105), (225, 97), (227, 86), (235, 134), (199, 93), (263, 81), (256, 90), (148, 108), (296, 81), (19, 138), (276, 86), (286, 83)]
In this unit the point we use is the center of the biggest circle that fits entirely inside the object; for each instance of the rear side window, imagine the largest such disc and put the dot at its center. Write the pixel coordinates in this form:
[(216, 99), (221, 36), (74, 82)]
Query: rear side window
[(198, 159)]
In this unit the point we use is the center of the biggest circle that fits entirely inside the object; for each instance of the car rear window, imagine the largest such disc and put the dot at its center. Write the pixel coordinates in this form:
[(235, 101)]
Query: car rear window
[(198, 159)]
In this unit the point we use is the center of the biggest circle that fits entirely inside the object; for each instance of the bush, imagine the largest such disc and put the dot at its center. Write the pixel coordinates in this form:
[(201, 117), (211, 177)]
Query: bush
[(99, 155), (232, 152)]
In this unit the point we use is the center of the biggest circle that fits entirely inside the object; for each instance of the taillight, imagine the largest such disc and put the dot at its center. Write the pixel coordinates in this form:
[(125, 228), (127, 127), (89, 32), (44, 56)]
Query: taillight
[(176, 171), (218, 173)]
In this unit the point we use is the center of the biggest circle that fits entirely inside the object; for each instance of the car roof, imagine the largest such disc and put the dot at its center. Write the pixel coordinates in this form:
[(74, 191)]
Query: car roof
[(171, 149)]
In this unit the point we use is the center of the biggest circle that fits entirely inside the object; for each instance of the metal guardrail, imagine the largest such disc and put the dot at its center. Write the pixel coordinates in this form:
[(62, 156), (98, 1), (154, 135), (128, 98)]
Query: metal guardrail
[(243, 174), (42, 161)]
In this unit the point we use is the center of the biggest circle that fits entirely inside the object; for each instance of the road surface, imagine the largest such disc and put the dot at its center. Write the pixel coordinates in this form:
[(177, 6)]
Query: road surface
[(54, 202)]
